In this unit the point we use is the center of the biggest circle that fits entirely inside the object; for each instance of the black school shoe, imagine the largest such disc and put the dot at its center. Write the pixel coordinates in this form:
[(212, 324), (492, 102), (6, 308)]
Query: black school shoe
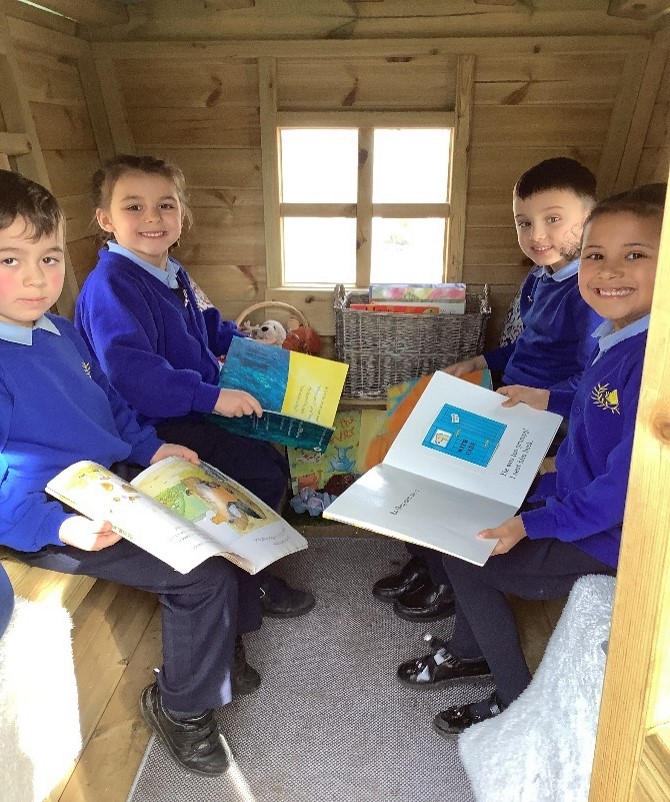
[(244, 679), (194, 743), (413, 576), (441, 668), (428, 603), (279, 600), (452, 722)]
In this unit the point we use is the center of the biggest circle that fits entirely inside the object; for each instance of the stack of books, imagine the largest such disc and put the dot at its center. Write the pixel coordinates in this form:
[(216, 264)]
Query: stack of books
[(415, 299)]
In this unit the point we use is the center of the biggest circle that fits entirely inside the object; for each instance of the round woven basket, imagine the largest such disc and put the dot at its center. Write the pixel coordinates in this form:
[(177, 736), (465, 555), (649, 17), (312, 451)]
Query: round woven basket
[(269, 310)]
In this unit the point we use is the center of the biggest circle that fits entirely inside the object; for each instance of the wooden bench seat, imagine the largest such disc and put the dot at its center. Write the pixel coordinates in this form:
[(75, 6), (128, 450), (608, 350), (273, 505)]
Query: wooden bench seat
[(109, 624)]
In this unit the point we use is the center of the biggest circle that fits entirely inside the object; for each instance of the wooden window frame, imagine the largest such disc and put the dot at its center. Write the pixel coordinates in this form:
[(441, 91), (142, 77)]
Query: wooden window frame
[(272, 121)]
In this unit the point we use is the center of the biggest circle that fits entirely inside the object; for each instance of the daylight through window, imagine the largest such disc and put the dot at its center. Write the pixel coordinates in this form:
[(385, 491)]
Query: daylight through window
[(360, 205)]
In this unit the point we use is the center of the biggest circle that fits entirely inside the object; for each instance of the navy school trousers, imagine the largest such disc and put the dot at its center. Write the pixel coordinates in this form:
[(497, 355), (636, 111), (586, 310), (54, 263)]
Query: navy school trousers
[(533, 569), (202, 611)]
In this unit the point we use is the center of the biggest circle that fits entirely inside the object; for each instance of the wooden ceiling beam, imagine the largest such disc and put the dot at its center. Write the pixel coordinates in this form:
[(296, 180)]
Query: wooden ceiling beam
[(637, 9), (89, 12)]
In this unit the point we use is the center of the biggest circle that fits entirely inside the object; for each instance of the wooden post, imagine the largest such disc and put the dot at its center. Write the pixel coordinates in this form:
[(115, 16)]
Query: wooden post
[(465, 80)]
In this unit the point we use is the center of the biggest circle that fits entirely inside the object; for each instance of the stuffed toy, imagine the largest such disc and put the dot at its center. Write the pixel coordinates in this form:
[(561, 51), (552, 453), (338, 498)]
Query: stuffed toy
[(270, 332), (301, 338)]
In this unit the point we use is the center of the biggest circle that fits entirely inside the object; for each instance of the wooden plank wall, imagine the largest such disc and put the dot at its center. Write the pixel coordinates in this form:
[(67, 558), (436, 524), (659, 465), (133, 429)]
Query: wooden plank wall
[(533, 98), (51, 64), (574, 97)]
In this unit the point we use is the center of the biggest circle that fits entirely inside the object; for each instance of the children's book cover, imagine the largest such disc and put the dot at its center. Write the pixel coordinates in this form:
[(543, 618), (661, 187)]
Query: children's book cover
[(418, 292), (346, 454), (299, 393)]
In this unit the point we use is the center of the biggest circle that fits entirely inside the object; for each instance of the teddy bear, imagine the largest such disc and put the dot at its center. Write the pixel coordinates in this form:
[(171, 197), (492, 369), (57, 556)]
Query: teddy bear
[(270, 332)]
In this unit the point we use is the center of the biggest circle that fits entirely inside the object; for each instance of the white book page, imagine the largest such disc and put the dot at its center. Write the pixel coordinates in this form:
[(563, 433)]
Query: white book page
[(220, 507), (101, 495), (412, 508), (181, 513), (509, 442)]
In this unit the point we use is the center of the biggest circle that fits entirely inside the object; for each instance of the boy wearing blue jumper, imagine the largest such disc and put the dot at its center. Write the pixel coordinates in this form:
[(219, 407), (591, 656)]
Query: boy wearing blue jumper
[(138, 315), (572, 524), (550, 202), (57, 407)]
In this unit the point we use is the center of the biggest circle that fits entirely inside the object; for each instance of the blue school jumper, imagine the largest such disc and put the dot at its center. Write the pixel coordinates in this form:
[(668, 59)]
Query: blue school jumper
[(555, 344), (160, 351), (585, 497), (157, 347), (56, 407)]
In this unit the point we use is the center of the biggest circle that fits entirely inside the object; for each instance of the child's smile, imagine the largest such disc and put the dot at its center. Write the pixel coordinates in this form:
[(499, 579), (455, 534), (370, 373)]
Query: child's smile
[(549, 225), (618, 266), (144, 215)]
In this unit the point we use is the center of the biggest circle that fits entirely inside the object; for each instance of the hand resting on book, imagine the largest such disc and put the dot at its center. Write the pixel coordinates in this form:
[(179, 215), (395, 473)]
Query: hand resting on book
[(82, 533), (508, 534)]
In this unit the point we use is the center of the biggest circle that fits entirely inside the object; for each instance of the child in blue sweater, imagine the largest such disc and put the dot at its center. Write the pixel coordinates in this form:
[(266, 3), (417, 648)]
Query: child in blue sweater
[(571, 525), (138, 314), (57, 407), (550, 202)]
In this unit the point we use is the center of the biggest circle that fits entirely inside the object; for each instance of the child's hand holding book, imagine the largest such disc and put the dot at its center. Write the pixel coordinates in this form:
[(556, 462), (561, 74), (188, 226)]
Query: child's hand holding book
[(236, 404)]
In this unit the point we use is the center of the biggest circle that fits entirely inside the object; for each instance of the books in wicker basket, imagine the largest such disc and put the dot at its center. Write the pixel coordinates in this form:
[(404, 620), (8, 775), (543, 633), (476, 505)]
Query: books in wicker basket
[(384, 348)]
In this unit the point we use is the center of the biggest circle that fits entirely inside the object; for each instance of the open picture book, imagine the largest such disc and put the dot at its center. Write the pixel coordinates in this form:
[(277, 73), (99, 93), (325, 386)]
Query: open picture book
[(461, 463), (299, 393), (181, 513)]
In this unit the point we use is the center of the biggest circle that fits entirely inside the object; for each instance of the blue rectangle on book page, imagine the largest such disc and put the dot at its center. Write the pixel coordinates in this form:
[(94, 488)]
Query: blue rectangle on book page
[(464, 435)]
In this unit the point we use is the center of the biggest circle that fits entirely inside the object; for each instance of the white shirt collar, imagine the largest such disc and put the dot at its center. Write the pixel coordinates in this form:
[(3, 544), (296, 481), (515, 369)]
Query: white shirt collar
[(167, 276), (23, 335), (608, 337), (560, 275)]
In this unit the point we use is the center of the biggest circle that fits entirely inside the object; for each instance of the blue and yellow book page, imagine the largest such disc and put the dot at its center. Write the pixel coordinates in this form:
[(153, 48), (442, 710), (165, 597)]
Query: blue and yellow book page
[(298, 385)]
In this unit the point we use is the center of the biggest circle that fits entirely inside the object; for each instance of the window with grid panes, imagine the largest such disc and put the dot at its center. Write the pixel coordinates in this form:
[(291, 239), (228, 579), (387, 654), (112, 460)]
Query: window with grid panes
[(364, 204)]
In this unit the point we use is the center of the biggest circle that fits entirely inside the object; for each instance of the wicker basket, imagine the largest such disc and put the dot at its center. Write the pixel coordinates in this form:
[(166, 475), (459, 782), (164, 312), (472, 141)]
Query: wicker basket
[(386, 348)]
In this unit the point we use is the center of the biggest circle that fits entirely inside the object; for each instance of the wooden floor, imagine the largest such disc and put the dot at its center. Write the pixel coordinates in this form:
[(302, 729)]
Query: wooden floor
[(111, 758)]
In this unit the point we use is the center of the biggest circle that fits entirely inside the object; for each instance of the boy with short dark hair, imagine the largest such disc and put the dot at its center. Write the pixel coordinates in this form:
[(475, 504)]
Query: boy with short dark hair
[(57, 407), (550, 203)]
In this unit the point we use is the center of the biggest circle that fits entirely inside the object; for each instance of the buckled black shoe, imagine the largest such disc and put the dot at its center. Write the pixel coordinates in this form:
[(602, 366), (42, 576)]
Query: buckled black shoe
[(244, 679), (429, 603), (441, 668), (452, 722), (279, 600), (195, 743), (414, 575)]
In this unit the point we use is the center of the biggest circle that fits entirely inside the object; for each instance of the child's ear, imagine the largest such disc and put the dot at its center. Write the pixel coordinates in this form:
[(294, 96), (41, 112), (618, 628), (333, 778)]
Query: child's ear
[(104, 220)]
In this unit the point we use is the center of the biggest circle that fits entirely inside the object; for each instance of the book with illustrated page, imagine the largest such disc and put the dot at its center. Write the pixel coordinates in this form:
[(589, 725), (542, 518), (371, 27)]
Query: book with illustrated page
[(461, 463), (181, 513), (299, 394)]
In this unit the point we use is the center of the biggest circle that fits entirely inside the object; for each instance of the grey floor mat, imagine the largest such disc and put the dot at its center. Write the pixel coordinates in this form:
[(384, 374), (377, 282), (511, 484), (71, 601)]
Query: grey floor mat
[(329, 721)]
